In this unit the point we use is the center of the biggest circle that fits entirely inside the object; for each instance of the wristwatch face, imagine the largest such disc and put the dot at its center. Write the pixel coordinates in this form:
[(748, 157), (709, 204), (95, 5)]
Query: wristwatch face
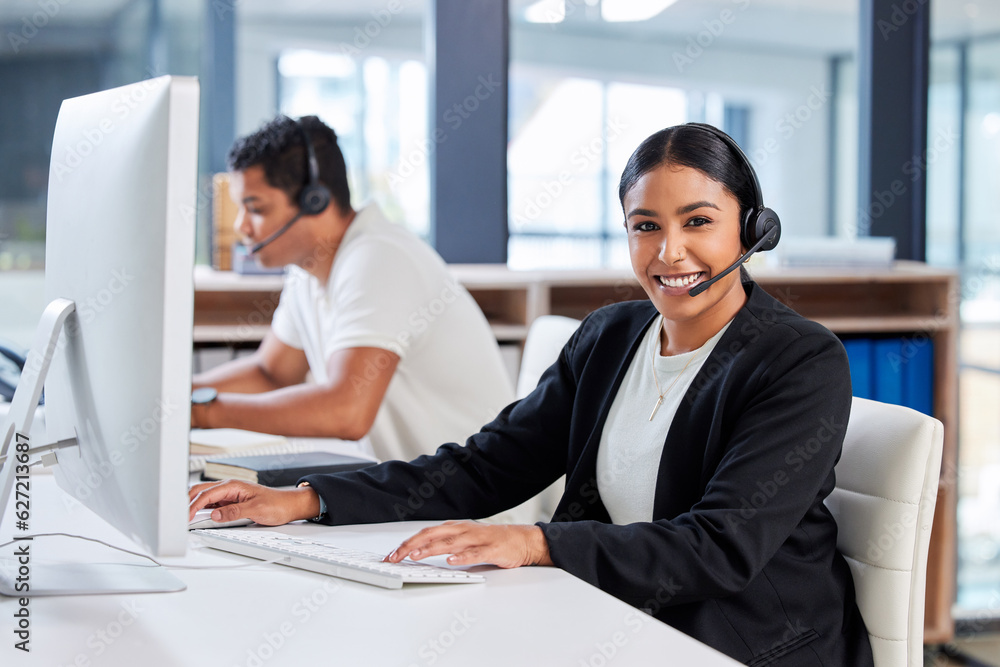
[(203, 395)]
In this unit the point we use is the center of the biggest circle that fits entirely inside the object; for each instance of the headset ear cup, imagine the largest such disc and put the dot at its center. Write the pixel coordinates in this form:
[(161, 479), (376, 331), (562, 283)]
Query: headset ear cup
[(766, 220), (747, 226), (756, 225), (314, 199)]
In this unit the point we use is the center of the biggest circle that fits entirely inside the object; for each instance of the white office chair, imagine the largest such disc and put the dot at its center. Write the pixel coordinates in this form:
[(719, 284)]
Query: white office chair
[(546, 338), (887, 485)]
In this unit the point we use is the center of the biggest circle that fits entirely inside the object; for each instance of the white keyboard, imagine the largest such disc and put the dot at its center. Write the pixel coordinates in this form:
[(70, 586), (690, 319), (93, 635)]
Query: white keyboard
[(306, 554)]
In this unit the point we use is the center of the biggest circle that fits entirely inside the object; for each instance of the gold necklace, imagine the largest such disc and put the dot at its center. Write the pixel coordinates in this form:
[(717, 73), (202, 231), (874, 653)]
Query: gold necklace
[(652, 359)]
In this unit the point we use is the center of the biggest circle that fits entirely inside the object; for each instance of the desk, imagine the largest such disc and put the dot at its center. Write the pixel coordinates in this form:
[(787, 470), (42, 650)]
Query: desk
[(910, 300), (271, 615)]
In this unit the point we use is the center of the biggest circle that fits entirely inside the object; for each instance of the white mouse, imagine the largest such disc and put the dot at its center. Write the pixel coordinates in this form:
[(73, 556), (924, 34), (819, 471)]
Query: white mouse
[(203, 519)]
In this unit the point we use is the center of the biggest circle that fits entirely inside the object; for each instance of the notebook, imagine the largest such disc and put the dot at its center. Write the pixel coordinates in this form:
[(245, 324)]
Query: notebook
[(280, 469)]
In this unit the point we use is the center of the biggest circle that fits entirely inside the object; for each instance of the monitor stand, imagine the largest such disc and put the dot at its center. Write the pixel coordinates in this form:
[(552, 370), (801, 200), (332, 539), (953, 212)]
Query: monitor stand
[(40, 578)]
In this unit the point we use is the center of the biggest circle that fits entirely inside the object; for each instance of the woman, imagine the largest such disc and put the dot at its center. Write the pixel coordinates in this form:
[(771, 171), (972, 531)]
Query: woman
[(698, 436)]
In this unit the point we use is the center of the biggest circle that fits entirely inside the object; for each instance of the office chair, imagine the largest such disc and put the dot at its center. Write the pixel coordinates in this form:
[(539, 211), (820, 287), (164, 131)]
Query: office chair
[(887, 485), (546, 338)]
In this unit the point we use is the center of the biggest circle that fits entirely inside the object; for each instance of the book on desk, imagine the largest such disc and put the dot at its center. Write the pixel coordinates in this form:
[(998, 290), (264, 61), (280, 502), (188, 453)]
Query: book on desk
[(280, 469)]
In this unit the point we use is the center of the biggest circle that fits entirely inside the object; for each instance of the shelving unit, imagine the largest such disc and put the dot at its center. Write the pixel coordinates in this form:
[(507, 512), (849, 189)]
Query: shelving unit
[(909, 299)]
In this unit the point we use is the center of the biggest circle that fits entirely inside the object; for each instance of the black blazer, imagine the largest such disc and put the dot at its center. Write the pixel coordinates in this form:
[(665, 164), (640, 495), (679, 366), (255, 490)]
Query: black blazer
[(741, 553)]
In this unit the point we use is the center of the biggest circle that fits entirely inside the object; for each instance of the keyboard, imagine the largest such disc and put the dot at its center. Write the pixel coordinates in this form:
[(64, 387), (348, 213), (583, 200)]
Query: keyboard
[(324, 558)]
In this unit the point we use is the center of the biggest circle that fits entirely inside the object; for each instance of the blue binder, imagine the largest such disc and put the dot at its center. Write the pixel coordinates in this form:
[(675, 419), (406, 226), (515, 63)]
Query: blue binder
[(918, 374), (859, 355), (888, 370)]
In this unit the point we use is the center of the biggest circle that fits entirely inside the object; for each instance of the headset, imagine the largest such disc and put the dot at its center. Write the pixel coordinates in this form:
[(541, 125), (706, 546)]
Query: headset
[(760, 227), (314, 198)]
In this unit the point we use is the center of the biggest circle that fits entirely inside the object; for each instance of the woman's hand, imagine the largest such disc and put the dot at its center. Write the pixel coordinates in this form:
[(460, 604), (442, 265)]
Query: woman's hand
[(233, 500), (469, 543)]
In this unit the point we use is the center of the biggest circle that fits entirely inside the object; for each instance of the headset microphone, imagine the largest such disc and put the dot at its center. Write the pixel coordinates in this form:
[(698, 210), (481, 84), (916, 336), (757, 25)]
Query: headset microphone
[(313, 199), (760, 227), (701, 287), (257, 247)]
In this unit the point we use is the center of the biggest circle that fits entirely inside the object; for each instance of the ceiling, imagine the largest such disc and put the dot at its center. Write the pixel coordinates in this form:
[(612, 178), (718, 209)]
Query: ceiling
[(810, 26)]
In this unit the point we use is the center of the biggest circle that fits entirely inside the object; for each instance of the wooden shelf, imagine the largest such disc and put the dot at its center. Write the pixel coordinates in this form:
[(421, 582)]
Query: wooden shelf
[(908, 299), (887, 324)]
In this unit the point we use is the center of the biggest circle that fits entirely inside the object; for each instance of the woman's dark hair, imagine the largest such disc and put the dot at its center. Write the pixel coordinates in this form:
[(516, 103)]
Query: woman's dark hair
[(691, 146), (279, 148)]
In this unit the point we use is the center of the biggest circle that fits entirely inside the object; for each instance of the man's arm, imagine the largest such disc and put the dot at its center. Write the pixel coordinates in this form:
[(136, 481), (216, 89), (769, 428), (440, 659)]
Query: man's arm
[(344, 407), (274, 365)]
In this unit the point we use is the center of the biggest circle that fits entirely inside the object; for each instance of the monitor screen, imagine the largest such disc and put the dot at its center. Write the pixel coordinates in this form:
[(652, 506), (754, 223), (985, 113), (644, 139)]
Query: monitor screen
[(120, 245)]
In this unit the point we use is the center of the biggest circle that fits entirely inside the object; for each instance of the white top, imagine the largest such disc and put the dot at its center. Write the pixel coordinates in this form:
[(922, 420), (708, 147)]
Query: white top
[(390, 290), (628, 459)]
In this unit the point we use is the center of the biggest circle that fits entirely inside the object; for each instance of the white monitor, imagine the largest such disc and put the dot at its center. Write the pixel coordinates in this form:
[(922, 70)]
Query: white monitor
[(119, 262)]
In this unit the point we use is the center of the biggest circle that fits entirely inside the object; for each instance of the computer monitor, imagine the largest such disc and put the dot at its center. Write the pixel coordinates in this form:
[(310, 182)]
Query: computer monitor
[(114, 346)]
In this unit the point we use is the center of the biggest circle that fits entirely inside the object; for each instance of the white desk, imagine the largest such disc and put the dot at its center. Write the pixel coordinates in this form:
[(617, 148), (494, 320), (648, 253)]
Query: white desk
[(271, 615)]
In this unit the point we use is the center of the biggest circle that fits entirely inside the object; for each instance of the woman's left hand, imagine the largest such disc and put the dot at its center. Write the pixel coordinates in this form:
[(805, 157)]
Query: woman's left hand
[(469, 543)]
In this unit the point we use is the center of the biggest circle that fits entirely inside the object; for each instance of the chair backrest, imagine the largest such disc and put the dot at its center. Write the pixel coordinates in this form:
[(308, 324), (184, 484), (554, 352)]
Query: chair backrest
[(546, 338), (887, 485)]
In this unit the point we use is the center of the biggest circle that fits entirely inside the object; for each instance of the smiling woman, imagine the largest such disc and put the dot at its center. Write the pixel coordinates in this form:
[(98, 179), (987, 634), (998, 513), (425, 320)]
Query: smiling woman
[(688, 202), (666, 511)]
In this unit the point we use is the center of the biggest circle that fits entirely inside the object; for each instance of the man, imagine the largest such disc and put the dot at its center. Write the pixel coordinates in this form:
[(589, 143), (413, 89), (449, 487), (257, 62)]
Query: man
[(396, 349)]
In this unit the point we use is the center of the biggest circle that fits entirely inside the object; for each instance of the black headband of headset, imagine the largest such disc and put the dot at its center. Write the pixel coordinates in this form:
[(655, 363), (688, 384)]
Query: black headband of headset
[(747, 167)]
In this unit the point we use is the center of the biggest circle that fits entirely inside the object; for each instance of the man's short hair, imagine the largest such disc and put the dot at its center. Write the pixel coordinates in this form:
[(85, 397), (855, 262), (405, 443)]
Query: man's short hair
[(279, 147)]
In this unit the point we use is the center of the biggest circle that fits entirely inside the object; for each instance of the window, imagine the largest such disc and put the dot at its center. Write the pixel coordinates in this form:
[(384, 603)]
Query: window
[(963, 159), (564, 208), (583, 76), (50, 52), (378, 108)]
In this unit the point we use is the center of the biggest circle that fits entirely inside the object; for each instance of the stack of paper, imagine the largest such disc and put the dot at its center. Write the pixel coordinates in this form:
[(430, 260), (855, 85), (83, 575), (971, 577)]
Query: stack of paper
[(237, 442)]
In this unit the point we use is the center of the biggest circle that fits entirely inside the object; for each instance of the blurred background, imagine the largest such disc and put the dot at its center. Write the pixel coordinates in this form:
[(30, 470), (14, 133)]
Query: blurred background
[(587, 81)]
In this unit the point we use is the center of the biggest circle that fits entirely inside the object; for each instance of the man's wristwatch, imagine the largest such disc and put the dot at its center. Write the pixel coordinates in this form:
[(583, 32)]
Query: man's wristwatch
[(204, 395)]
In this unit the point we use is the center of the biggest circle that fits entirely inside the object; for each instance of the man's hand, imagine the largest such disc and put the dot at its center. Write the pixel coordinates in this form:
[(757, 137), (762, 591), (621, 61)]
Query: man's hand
[(233, 500), (469, 543)]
